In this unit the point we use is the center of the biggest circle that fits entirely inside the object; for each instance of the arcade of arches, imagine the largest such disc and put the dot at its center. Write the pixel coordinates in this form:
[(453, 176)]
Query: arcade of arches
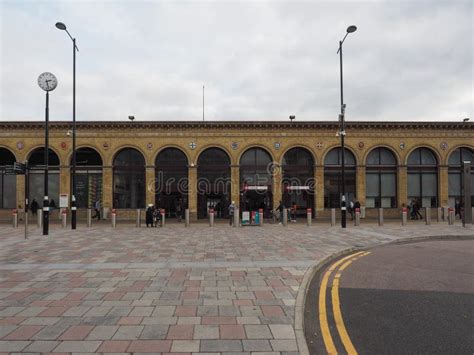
[(207, 165)]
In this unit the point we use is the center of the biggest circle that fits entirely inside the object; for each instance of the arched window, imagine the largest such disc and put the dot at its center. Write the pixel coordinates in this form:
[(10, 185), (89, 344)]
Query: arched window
[(455, 174), (7, 181), (423, 177), (171, 176), (213, 169), (129, 179), (88, 177), (256, 181), (298, 179), (381, 179), (333, 177), (36, 163)]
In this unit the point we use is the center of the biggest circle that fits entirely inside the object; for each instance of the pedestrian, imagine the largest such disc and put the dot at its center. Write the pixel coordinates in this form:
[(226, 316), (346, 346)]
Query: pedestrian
[(34, 207), (231, 213), (156, 216), (97, 210), (356, 206), (417, 209), (457, 209), (52, 206), (280, 208), (351, 209), (149, 216), (293, 211)]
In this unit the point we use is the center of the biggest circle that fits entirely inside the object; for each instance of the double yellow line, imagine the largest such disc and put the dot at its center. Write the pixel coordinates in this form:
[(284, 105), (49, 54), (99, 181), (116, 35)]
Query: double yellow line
[(336, 308)]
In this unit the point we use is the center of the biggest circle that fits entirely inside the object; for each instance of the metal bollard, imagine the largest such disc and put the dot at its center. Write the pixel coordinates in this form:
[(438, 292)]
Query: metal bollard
[(472, 212), (284, 219), (357, 217), (428, 215), (333, 217), (260, 215), (186, 217), (380, 217), (404, 216), (236, 217), (446, 213), (309, 220), (138, 222), (40, 218), (439, 216), (162, 222), (211, 217), (362, 212), (64, 218), (114, 217), (15, 218), (450, 216), (89, 217)]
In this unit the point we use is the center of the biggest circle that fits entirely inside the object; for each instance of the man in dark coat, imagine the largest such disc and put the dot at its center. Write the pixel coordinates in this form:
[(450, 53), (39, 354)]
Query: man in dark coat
[(149, 216), (34, 207)]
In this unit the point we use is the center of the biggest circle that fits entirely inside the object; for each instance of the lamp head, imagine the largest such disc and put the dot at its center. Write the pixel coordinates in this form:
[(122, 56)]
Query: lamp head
[(351, 29), (61, 26), (292, 117), (131, 118), (466, 119)]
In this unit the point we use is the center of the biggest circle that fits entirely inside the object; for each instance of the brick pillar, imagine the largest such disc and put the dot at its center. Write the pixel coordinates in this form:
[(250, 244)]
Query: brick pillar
[(65, 182), (360, 184), (276, 186), (443, 186), (402, 190), (192, 192), (235, 184), (319, 186), (150, 185), (107, 187)]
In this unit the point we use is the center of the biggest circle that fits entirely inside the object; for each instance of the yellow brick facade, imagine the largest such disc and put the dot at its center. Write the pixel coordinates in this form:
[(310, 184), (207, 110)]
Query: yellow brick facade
[(235, 138)]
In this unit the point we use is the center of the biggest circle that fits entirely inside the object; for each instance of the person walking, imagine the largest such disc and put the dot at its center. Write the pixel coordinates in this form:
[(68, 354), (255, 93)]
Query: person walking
[(96, 210), (149, 216), (34, 207), (417, 209), (231, 213), (52, 206), (355, 206), (156, 216)]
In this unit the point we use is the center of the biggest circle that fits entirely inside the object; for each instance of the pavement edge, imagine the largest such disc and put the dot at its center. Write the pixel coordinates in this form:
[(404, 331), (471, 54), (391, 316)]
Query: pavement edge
[(312, 270)]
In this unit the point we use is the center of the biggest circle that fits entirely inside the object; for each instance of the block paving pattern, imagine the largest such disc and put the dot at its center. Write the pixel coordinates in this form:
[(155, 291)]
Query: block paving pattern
[(172, 290)]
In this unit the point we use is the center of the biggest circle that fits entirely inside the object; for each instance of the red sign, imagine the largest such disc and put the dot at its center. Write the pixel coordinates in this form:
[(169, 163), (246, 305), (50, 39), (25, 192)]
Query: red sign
[(114, 211), (14, 211), (162, 211), (404, 209), (211, 210), (357, 210), (308, 210)]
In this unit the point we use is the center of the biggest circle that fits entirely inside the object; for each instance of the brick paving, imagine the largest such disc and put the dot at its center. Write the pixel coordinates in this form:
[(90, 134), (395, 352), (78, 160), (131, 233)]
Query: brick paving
[(196, 290)]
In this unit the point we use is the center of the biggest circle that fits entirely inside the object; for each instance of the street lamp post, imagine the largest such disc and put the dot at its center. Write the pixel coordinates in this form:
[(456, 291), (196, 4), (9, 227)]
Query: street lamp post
[(62, 27), (342, 130)]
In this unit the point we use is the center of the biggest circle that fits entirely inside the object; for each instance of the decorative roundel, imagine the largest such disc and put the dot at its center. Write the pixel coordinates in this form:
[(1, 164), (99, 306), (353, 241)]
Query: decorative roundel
[(443, 145), (234, 145), (63, 145), (105, 145), (319, 145), (277, 145), (402, 145), (149, 145), (361, 145), (193, 145), (20, 145)]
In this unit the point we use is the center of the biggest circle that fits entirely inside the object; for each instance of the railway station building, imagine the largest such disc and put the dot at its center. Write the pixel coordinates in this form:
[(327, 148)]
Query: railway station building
[(202, 165)]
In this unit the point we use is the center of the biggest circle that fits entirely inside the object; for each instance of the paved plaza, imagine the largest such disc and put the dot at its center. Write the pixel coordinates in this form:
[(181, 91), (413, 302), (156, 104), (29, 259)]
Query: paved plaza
[(170, 290)]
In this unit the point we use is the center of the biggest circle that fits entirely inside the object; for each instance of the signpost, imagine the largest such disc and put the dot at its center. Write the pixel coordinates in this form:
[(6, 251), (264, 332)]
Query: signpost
[(21, 169)]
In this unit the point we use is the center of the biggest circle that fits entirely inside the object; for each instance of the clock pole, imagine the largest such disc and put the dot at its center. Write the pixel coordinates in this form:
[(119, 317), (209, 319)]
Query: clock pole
[(46, 153), (73, 199)]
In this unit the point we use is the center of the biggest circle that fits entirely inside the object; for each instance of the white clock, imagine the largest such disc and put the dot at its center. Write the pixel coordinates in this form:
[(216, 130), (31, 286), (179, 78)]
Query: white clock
[(47, 81)]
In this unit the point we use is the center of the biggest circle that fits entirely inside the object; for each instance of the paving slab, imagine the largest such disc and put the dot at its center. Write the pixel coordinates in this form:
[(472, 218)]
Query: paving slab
[(190, 290)]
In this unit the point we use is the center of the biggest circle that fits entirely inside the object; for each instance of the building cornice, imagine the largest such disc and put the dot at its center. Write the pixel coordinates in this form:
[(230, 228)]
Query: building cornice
[(238, 125)]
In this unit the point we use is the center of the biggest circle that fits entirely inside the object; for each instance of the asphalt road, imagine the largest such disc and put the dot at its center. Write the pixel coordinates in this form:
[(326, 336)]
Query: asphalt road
[(415, 298)]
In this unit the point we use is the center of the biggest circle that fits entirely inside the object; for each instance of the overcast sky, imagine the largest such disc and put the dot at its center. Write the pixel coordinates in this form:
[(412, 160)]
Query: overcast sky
[(408, 60)]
